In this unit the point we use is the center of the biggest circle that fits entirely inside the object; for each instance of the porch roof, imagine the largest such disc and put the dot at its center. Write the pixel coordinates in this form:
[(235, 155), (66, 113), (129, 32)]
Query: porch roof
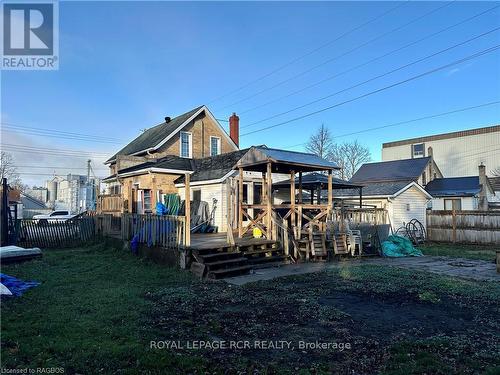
[(283, 161)]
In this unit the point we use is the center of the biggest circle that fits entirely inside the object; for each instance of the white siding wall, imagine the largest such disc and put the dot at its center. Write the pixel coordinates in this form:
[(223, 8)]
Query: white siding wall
[(208, 192), (399, 212), (456, 157)]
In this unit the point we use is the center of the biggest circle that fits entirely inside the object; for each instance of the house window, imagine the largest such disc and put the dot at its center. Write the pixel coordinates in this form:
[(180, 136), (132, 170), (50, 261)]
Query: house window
[(147, 201), (417, 150), (408, 208), (424, 179), (186, 144), (453, 204), (214, 146), (197, 195)]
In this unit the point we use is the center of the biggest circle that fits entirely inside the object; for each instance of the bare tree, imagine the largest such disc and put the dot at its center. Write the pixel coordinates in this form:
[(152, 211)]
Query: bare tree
[(349, 156), (8, 170), (320, 143)]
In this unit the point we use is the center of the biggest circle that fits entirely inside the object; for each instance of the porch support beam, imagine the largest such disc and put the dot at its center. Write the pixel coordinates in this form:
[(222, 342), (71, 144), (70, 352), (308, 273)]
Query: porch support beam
[(292, 197), (187, 205), (269, 193), (240, 202), (330, 191), (300, 187)]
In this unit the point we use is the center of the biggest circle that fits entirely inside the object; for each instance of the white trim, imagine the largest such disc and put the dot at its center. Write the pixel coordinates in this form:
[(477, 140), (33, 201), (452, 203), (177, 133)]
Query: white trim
[(409, 186), (208, 182), (190, 156), (219, 145), (154, 170)]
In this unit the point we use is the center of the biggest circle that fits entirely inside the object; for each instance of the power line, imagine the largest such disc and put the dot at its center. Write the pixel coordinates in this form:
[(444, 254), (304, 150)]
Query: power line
[(307, 53), (470, 57), (338, 57), (54, 167), (51, 149), (369, 61), (406, 122), (374, 78), (55, 133)]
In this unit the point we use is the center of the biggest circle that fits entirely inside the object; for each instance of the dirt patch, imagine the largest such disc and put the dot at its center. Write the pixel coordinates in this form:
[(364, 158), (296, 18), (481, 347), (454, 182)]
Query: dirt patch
[(311, 308), (393, 315)]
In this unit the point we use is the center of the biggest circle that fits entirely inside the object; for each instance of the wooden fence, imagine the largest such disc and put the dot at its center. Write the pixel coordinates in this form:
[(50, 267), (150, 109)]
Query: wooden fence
[(76, 232), (480, 227), (165, 231), (110, 203)]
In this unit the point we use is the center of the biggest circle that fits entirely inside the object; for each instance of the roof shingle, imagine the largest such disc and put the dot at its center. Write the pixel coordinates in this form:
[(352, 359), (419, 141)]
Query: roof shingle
[(395, 170)]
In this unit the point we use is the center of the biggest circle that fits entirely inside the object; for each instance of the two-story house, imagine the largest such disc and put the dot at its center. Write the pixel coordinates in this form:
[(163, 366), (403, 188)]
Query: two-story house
[(147, 167)]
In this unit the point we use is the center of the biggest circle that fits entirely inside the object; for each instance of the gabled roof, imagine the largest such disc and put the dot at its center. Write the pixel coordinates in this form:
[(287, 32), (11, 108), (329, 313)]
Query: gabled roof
[(283, 161), (495, 183), (155, 137), (30, 202), (454, 187), (394, 170), (389, 189)]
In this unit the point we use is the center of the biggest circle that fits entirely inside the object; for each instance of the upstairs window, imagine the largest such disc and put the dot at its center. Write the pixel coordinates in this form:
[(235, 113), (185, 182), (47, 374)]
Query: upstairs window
[(417, 150), (186, 145), (214, 146)]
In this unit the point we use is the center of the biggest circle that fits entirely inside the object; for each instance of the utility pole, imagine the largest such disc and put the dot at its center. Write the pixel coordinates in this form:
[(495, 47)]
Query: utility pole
[(4, 218), (88, 190)]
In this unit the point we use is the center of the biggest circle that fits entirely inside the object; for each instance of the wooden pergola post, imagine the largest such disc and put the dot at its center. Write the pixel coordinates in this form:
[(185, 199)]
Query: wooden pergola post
[(300, 187), (292, 198), (269, 193), (240, 202), (187, 205), (330, 192)]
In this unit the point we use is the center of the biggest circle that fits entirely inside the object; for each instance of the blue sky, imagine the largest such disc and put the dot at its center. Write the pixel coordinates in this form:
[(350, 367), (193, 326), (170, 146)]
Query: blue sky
[(124, 66)]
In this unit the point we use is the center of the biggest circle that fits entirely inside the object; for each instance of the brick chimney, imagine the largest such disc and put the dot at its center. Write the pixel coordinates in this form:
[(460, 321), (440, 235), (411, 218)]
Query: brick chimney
[(234, 128), (483, 199)]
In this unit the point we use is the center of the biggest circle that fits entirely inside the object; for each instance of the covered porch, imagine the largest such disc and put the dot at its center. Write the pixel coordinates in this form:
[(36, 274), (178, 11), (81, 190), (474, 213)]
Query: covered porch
[(294, 214)]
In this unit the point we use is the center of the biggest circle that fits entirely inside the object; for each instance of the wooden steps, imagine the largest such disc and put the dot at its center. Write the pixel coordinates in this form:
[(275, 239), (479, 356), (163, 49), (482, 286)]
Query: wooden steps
[(223, 260)]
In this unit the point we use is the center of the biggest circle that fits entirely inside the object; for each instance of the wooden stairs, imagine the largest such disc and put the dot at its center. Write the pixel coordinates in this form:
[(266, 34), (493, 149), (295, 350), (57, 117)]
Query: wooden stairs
[(229, 261)]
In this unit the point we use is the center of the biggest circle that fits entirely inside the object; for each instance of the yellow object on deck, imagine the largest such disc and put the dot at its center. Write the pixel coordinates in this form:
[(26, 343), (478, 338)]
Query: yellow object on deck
[(257, 233)]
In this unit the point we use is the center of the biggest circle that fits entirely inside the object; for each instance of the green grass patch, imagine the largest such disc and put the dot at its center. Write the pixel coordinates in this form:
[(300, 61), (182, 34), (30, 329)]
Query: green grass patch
[(89, 313), (461, 251)]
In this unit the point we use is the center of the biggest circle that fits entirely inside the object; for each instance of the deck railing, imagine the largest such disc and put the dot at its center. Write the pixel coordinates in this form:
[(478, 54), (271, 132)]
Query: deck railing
[(154, 230), (361, 215)]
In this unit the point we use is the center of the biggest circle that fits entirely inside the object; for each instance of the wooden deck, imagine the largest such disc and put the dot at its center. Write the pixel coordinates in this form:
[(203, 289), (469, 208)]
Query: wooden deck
[(203, 241)]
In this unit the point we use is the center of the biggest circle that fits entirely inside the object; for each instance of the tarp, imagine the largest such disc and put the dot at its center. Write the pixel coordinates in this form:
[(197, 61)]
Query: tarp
[(16, 286), (398, 246)]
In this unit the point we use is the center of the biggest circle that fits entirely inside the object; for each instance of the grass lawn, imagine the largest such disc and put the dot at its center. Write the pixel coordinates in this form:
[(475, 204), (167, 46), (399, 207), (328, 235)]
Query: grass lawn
[(98, 308), (485, 252)]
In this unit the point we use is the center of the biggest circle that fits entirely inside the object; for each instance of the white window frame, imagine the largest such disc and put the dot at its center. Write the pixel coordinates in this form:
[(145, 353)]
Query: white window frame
[(190, 135), (422, 154), (218, 145)]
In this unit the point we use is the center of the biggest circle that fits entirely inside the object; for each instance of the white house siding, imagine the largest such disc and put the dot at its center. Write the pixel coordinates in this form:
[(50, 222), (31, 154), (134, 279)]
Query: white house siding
[(455, 157), (399, 212), (208, 193)]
